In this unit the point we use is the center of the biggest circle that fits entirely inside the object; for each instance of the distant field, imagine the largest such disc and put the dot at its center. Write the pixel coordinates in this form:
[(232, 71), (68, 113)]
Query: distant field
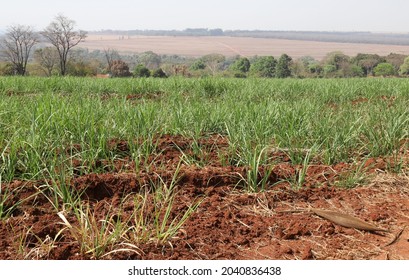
[(230, 46)]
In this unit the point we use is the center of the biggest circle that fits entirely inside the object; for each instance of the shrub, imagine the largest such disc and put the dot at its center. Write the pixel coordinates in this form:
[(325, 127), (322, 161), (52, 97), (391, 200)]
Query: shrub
[(329, 70), (404, 68), (6, 69), (241, 65), (158, 73), (283, 66), (264, 67), (141, 71), (384, 69), (80, 69), (357, 71), (198, 65), (239, 75), (120, 69)]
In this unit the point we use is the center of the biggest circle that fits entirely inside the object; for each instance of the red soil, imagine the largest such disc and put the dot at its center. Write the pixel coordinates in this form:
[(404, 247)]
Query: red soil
[(230, 223)]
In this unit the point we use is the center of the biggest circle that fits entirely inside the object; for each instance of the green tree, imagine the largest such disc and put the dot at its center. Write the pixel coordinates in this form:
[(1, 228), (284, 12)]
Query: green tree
[(315, 69), (198, 65), (159, 73), (367, 61), (307, 61), (404, 68), (80, 69), (357, 71), (384, 69), (264, 66), (283, 69), (141, 71), (305, 67), (329, 70), (241, 65), (337, 59)]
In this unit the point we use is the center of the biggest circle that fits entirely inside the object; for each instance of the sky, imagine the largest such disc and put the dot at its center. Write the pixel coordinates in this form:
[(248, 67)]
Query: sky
[(288, 15)]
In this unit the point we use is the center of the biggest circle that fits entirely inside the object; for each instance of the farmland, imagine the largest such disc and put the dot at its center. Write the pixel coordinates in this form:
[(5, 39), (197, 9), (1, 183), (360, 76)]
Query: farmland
[(232, 46), (202, 168)]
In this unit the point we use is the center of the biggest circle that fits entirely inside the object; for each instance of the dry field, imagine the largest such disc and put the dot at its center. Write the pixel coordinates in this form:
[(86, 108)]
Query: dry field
[(230, 46)]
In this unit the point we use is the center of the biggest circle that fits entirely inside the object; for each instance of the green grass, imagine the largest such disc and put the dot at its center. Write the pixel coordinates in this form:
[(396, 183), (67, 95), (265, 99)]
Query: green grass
[(42, 117), (150, 221), (256, 179)]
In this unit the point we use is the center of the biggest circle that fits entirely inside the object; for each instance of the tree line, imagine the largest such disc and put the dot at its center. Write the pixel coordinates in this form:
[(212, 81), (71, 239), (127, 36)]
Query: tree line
[(22, 56), (333, 65)]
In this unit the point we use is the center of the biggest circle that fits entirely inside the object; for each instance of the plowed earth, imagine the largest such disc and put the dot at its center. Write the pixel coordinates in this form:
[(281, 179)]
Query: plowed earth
[(230, 222)]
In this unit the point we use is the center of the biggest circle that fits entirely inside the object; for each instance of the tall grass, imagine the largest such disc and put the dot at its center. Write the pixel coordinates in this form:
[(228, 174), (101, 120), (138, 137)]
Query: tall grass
[(43, 117), (150, 221)]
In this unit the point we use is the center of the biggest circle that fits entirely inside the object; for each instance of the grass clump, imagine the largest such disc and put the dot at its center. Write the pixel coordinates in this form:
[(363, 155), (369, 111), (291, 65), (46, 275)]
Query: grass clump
[(118, 230)]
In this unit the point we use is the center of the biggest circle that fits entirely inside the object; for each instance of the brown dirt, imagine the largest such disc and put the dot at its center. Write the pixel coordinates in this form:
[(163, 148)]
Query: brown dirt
[(232, 46), (359, 100), (230, 223), (135, 98)]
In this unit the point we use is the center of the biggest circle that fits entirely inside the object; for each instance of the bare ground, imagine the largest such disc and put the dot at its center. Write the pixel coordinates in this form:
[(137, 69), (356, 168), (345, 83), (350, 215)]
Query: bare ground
[(232, 46), (230, 223)]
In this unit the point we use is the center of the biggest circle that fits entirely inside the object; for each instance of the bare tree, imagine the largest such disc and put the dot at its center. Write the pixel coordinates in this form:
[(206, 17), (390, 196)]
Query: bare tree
[(150, 59), (47, 58), (111, 55), (62, 36), (17, 45), (119, 68), (213, 62)]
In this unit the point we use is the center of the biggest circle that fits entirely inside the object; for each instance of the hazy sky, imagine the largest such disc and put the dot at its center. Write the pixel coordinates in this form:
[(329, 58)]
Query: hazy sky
[(317, 15)]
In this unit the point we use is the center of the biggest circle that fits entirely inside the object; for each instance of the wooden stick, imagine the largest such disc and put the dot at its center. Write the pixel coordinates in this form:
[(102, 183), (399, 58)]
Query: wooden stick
[(396, 237), (341, 219), (346, 220)]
